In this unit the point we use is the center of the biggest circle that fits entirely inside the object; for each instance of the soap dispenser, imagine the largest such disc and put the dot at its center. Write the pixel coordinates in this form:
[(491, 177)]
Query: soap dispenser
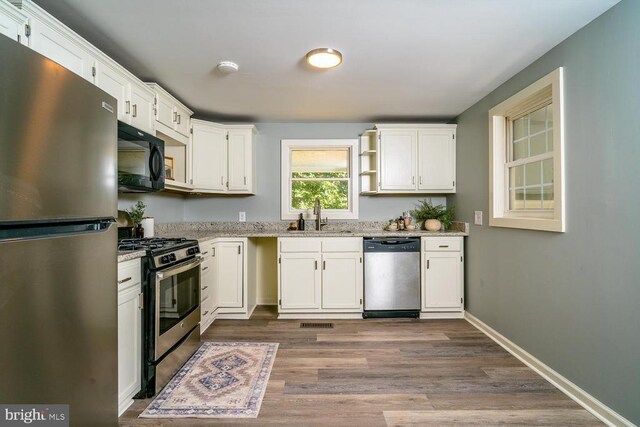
[(301, 222)]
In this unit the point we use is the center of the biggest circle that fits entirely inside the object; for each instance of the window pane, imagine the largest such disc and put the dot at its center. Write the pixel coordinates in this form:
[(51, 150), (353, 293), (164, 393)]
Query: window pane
[(533, 198), (532, 173), (547, 197), (537, 121), (549, 116), (322, 163), (538, 144), (520, 128), (332, 194), (547, 171), (520, 150), (550, 140), (516, 176), (518, 199)]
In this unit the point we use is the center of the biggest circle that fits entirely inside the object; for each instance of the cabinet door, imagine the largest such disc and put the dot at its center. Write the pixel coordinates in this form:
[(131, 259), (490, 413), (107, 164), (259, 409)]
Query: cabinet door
[(209, 158), (55, 45), (240, 158), (129, 344), (165, 111), (116, 84), (141, 108), (436, 160), (342, 280), (12, 22), (442, 280), (182, 124), (300, 279), (230, 274), (398, 153)]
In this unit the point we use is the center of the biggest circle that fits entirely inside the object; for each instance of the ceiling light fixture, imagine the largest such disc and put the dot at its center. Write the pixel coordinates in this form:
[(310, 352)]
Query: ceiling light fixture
[(324, 58), (228, 67)]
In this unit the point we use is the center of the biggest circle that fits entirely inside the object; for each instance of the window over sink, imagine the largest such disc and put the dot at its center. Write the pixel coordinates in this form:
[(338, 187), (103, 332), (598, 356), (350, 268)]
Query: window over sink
[(319, 168)]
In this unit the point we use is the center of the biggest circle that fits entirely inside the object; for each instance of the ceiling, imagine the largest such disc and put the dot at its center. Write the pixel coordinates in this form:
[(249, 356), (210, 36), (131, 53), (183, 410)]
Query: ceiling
[(404, 60)]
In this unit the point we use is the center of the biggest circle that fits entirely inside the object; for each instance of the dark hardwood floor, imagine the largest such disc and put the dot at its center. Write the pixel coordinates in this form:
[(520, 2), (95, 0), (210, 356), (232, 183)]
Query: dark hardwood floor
[(388, 372)]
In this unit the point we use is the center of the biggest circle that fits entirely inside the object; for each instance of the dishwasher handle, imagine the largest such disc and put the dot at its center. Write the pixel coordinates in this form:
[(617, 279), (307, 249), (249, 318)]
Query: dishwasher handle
[(403, 244)]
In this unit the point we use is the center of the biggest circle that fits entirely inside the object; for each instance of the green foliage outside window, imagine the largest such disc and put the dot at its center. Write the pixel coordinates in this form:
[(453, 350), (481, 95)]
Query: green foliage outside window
[(333, 193)]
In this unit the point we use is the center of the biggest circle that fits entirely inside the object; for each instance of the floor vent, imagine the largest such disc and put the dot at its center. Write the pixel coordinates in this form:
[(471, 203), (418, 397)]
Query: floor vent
[(316, 325)]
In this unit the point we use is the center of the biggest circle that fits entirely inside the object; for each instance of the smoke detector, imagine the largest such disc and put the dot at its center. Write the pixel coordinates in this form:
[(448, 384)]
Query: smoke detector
[(228, 67)]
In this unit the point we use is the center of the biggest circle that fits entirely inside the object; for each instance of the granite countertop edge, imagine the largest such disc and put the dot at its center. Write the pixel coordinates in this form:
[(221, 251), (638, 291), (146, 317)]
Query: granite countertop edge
[(203, 236)]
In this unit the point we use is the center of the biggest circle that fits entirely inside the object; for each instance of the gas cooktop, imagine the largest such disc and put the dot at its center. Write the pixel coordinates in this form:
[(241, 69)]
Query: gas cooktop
[(155, 244)]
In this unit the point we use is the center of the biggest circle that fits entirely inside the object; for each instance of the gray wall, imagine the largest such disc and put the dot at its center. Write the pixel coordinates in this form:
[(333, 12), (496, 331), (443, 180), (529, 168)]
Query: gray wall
[(164, 207), (570, 299), (265, 205)]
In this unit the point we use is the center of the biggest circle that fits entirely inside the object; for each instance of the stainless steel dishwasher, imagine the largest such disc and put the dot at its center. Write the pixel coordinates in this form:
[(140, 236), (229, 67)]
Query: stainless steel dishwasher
[(391, 277)]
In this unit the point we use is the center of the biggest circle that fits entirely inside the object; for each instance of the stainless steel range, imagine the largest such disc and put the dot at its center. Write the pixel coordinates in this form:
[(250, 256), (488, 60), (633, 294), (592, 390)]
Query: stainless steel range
[(171, 314)]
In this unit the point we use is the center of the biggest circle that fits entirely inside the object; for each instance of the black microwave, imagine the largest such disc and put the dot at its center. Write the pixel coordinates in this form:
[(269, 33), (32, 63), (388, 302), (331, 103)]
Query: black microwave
[(140, 160)]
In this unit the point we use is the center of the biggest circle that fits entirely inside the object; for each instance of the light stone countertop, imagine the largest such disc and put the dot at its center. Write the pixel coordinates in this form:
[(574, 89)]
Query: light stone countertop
[(207, 231)]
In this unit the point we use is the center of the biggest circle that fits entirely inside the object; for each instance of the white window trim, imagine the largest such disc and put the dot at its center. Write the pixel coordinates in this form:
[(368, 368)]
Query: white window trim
[(285, 182), (499, 215)]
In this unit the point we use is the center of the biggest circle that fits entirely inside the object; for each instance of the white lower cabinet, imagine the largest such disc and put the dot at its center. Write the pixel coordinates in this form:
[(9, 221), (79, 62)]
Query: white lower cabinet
[(320, 277), (228, 283), (129, 332), (208, 286), (442, 277)]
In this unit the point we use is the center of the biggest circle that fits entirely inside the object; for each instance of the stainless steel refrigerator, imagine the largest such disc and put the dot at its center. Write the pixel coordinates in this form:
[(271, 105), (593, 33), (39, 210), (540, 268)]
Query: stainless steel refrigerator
[(58, 272)]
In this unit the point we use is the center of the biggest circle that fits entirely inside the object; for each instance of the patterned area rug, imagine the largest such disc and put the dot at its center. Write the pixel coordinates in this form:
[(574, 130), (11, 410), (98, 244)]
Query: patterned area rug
[(221, 380)]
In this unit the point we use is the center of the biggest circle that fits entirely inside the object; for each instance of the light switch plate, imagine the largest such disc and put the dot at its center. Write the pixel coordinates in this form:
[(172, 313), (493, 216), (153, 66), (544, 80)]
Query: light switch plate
[(242, 216), (477, 219)]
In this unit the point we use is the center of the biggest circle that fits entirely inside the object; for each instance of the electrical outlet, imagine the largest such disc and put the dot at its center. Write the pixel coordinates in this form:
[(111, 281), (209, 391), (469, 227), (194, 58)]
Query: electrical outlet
[(478, 218), (242, 216)]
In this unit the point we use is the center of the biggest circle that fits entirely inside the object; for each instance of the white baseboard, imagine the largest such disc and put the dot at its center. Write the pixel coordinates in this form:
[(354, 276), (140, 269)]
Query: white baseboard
[(327, 316), (441, 315), (584, 399), (267, 301)]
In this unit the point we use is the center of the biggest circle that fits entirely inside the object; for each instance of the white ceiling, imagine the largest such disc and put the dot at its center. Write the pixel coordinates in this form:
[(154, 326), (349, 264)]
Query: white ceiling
[(403, 59)]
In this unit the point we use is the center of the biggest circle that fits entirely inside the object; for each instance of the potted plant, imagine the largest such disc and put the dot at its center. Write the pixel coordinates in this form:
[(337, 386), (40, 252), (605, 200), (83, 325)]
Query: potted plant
[(433, 217), (137, 213)]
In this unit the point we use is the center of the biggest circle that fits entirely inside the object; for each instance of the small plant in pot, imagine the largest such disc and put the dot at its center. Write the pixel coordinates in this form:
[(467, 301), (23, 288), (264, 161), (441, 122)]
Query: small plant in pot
[(137, 213), (433, 217)]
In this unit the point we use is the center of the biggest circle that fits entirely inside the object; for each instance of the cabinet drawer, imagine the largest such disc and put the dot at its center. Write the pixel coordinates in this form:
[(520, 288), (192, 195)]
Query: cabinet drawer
[(442, 244), (206, 308), (128, 273), (300, 244), (342, 244), (206, 248)]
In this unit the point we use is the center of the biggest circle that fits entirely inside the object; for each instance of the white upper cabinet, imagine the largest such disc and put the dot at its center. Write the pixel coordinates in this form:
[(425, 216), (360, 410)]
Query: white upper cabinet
[(116, 83), (240, 158), (405, 159), (208, 156), (12, 22), (398, 151), (437, 160), (139, 107), (172, 117), (51, 38), (222, 158)]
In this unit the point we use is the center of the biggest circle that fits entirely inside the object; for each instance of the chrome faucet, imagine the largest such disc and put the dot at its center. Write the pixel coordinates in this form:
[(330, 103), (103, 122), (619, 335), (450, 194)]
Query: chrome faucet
[(317, 210)]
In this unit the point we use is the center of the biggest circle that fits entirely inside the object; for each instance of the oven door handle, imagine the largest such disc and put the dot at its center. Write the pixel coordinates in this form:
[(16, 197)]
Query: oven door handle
[(179, 268)]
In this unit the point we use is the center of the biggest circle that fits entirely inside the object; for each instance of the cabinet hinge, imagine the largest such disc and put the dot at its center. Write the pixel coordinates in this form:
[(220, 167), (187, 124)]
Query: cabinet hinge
[(191, 131), (454, 183), (280, 302), (460, 259), (141, 301), (279, 260), (27, 30), (227, 136), (239, 250), (360, 301), (360, 260), (427, 264), (379, 136), (453, 136), (93, 71)]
